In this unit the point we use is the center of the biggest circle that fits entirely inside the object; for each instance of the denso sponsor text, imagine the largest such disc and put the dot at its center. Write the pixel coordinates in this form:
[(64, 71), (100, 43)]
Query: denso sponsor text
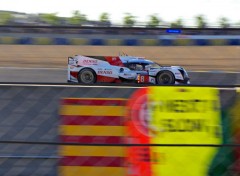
[(105, 72), (89, 61)]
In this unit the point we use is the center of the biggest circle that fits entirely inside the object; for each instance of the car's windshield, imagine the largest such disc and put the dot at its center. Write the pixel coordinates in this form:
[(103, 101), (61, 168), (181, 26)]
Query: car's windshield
[(155, 65), (136, 66)]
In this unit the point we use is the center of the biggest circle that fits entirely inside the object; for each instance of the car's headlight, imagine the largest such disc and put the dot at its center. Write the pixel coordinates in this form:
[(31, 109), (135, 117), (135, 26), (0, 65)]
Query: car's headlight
[(183, 72)]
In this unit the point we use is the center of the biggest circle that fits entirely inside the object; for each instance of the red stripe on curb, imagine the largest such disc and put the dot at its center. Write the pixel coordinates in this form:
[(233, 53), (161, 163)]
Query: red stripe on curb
[(93, 102), (92, 120), (92, 161), (92, 139)]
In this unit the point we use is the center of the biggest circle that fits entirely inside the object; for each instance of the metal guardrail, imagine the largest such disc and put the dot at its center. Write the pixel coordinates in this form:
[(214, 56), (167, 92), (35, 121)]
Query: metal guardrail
[(119, 29)]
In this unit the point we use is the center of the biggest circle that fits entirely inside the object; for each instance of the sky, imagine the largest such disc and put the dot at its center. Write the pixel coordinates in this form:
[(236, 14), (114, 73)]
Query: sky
[(167, 10)]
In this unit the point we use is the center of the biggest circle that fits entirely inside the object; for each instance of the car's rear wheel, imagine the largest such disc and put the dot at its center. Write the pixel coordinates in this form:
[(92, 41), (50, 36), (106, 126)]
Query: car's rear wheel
[(87, 76), (165, 77)]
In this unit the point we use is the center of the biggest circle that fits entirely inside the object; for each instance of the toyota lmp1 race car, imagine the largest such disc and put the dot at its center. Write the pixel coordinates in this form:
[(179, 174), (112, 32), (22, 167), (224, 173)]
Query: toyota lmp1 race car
[(123, 69)]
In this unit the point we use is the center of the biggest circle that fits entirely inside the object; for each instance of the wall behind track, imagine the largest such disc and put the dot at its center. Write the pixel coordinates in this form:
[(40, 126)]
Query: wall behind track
[(118, 39)]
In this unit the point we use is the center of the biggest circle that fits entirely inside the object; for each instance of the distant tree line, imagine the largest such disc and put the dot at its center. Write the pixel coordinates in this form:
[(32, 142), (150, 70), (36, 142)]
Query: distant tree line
[(77, 18)]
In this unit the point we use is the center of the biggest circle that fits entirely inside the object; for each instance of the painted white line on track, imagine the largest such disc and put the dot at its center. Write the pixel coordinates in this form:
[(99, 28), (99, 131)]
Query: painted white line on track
[(95, 86), (31, 68), (50, 85), (212, 71), (227, 88)]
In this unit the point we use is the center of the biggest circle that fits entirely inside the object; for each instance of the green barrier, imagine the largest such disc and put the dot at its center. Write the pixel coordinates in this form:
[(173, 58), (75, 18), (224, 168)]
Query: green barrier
[(226, 162)]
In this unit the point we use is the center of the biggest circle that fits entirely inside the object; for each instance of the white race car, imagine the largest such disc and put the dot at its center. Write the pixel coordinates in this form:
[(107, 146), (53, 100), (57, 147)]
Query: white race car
[(123, 68)]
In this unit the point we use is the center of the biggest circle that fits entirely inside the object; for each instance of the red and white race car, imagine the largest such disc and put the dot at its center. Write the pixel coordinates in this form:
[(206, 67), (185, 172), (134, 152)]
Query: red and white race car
[(123, 68)]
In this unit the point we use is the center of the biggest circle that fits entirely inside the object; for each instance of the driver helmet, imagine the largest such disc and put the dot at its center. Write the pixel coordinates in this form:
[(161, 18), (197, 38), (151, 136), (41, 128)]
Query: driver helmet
[(147, 67), (132, 66)]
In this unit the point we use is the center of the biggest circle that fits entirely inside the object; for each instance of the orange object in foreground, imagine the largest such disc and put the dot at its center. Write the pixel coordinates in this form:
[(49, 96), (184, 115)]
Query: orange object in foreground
[(137, 125)]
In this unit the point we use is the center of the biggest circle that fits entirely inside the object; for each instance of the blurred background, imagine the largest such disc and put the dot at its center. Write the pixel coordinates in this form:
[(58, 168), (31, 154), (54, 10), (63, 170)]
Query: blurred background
[(198, 42), (45, 40)]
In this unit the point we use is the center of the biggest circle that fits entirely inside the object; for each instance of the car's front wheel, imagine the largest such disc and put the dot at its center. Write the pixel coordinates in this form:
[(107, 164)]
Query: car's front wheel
[(165, 77), (87, 76)]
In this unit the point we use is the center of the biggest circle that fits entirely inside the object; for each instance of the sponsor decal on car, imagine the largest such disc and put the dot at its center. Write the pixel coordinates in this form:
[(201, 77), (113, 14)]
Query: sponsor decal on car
[(91, 62), (152, 80), (104, 72)]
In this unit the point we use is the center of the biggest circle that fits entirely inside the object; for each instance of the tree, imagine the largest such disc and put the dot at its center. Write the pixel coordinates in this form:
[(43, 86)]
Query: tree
[(77, 18), (50, 18), (177, 24), (201, 22), (5, 18), (129, 20), (153, 21), (104, 17), (223, 22)]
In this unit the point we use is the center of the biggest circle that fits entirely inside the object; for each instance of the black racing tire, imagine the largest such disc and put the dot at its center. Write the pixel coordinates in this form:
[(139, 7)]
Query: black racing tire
[(165, 77), (87, 76)]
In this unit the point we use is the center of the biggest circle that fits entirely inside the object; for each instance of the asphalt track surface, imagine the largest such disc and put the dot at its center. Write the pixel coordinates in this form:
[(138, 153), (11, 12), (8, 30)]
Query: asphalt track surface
[(59, 75)]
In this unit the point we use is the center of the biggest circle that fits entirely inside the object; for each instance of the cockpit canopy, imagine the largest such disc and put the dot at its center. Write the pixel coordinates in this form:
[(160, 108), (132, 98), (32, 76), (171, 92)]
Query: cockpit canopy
[(140, 64)]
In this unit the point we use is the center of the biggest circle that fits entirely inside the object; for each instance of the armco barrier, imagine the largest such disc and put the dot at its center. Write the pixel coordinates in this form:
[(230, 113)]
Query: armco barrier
[(32, 132), (122, 40)]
